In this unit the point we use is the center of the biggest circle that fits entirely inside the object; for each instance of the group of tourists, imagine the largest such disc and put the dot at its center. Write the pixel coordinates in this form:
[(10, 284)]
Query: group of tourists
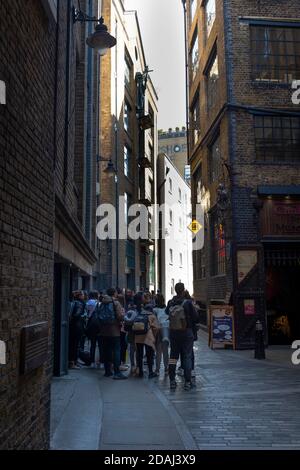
[(140, 324)]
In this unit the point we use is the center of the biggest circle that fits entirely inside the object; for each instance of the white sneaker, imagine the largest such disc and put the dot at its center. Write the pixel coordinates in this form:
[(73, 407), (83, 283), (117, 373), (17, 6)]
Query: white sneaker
[(93, 365)]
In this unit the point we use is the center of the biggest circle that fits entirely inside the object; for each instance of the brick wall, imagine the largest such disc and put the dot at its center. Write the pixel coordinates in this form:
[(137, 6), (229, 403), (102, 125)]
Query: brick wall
[(26, 214)]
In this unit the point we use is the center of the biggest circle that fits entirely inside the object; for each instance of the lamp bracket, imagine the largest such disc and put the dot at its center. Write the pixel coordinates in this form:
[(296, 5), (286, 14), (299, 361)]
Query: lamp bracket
[(82, 17)]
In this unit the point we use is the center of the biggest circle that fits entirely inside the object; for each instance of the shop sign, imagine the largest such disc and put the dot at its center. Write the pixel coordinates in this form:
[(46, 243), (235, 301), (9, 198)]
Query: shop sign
[(280, 218)]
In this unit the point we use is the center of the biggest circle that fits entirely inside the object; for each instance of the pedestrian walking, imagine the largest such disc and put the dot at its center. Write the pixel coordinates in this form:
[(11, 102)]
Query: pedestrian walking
[(129, 318), (163, 334), (183, 318), (110, 315), (76, 327), (145, 327), (95, 336), (123, 334)]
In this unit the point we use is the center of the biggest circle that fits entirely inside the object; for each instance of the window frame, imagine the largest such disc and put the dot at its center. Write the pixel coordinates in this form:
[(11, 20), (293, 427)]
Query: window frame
[(260, 131), (218, 246), (277, 66), (212, 85)]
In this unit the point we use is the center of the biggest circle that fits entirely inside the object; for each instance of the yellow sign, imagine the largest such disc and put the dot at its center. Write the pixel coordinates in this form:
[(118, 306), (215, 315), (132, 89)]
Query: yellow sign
[(195, 226)]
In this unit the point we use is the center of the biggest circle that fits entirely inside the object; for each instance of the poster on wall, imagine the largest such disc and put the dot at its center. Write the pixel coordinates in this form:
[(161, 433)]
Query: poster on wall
[(246, 261), (249, 307), (221, 330)]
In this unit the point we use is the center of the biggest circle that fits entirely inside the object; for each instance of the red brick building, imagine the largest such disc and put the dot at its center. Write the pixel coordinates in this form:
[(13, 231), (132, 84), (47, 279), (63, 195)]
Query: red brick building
[(245, 136), (48, 146)]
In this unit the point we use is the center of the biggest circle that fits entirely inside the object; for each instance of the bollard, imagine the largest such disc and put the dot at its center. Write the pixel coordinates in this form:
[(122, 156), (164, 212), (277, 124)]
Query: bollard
[(259, 341)]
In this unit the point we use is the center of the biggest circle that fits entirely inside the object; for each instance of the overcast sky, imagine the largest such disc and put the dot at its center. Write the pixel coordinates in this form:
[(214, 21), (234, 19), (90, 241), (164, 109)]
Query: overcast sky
[(162, 29)]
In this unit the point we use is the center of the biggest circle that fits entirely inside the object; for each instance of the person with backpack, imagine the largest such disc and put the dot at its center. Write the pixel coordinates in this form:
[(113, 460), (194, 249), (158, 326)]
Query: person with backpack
[(129, 318), (182, 317), (94, 335), (144, 327), (162, 338), (76, 327), (110, 316)]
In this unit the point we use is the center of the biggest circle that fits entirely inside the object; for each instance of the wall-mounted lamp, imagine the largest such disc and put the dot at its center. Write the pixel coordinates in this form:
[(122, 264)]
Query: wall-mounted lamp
[(110, 169), (100, 40)]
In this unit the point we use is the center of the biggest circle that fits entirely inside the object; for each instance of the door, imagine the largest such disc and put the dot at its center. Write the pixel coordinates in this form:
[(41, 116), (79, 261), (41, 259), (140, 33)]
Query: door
[(61, 318)]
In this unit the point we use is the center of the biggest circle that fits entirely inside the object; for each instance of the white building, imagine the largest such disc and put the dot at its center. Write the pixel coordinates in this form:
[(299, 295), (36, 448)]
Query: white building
[(175, 251)]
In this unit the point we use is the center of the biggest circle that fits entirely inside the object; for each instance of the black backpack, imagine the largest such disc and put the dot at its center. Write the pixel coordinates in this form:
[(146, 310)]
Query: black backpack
[(93, 324), (106, 313)]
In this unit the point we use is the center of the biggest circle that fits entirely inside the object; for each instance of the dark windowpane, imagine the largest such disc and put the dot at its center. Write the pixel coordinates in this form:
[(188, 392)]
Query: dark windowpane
[(277, 139), (275, 53)]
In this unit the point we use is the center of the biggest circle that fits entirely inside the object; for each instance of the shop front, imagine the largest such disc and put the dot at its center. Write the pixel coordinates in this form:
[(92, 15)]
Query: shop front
[(280, 232)]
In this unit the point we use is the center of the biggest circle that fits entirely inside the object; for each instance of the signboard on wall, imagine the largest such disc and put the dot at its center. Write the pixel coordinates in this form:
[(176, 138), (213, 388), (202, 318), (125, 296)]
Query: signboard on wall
[(246, 261), (280, 218), (221, 327), (249, 307)]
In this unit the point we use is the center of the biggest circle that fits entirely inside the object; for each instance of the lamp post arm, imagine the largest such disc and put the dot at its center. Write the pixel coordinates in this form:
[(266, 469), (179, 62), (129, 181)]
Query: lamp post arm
[(82, 17)]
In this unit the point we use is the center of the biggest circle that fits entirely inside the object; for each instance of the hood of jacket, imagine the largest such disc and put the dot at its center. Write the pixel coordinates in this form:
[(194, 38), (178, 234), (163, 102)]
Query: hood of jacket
[(107, 299)]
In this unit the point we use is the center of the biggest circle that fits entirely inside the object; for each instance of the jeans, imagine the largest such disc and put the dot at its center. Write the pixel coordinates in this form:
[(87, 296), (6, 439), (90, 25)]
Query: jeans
[(181, 345), (111, 352), (140, 356), (162, 349), (132, 351), (123, 346), (94, 341)]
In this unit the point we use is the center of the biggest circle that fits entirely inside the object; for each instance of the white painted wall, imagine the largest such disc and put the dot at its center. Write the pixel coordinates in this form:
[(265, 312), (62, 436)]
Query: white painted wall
[(178, 237)]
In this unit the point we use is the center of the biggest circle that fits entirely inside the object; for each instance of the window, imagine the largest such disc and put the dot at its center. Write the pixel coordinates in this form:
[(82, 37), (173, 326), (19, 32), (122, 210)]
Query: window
[(170, 186), (127, 116), (171, 217), (127, 161), (187, 174), (275, 54), (215, 160), (151, 154), (212, 82), (172, 286), (193, 9), (179, 195), (127, 75), (152, 117), (210, 15), (277, 138), (194, 55), (180, 224), (217, 246), (181, 259), (198, 184), (171, 256), (195, 121)]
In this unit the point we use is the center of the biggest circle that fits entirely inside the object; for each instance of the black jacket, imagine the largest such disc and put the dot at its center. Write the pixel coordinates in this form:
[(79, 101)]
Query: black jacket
[(76, 316), (191, 313)]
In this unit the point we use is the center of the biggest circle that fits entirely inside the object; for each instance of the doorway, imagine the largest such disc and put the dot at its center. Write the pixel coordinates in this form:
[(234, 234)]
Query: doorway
[(283, 294)]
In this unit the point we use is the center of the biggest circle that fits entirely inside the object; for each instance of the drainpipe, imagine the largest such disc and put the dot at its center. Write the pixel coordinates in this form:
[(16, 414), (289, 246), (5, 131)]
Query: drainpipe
[(187, 91), (67, 94)]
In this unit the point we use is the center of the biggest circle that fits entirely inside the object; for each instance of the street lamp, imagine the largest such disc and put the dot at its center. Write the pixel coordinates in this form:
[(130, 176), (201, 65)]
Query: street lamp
[(100, 40), (110, 170)]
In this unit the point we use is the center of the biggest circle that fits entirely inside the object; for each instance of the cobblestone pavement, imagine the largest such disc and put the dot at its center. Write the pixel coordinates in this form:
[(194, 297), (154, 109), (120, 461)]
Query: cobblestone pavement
[(240, 402)]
